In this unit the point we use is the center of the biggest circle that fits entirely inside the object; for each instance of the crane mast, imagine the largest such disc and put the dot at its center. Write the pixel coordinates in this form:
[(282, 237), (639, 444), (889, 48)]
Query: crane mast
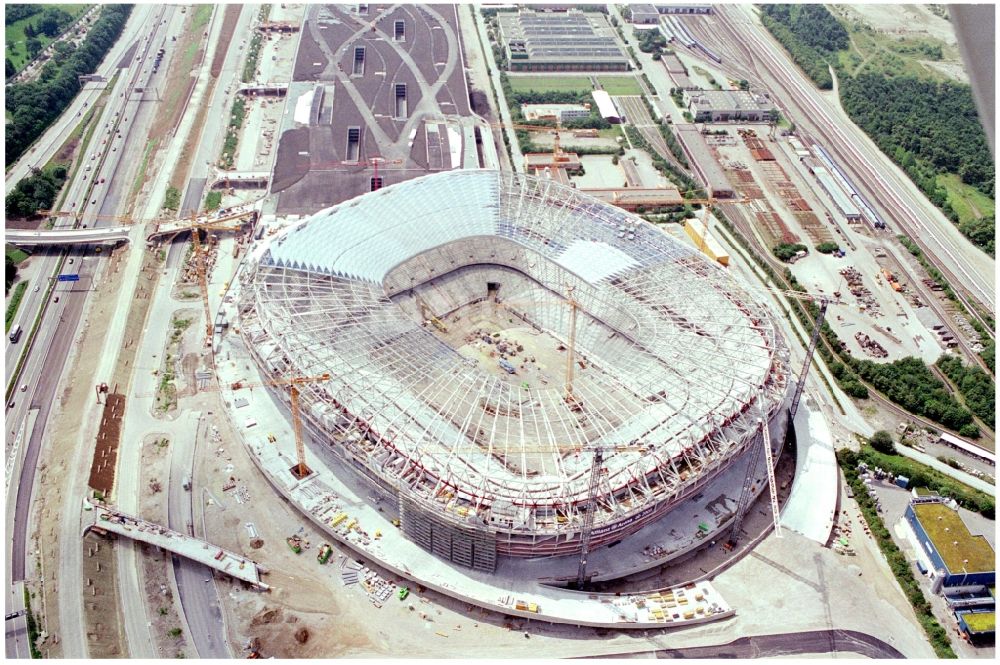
[(300, 470), (571, 347), (199, 265), (588, 519)]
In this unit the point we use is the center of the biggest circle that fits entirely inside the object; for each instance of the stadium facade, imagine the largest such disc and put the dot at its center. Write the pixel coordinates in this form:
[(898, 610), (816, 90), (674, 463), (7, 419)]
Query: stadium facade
[(676, 365)]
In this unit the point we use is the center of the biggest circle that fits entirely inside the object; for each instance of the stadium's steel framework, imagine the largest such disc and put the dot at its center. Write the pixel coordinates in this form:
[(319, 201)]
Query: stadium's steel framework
[(683, 363)]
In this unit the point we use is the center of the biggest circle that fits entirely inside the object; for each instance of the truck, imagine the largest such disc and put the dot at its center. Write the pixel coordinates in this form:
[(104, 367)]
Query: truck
[(506, 366), (324, 553)]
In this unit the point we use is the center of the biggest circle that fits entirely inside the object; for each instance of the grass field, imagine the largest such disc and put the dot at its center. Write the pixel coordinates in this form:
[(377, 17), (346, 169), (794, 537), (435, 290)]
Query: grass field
[(17, 52), (201, 16), (15, 302), (16, 254), (881, 53), (967, 201), (620, 85), (140, 175), (546, 83)]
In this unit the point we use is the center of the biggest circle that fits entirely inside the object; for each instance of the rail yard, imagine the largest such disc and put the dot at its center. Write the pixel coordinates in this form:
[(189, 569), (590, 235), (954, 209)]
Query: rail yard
[(374, 330)]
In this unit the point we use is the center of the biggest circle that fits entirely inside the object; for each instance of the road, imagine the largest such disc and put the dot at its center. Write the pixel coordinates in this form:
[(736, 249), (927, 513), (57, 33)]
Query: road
[(46, 354), (47, 145), (880, 180), (508, 122), (782, 645), (199, 599), (213, 133)]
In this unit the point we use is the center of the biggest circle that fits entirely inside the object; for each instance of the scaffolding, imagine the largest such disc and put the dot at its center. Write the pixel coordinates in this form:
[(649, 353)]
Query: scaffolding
[(676, 351)]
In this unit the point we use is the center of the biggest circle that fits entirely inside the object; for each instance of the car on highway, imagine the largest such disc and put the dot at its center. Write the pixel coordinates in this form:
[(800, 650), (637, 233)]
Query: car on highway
[(24, 387), (55, 300)]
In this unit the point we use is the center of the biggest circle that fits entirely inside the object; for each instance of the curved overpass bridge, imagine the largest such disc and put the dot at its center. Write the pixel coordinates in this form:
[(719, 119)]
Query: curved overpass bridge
[(229, 219), (106, 236)]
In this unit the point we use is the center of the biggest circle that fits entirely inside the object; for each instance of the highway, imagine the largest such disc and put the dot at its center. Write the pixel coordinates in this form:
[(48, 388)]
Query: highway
[(782, 645), (47, 352), (880, 180), (199, 599), (47, 145)]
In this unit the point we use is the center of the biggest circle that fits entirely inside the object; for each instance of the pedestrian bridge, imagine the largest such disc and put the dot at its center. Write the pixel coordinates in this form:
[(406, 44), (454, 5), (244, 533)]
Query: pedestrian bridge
[(105, 519), (106, 236)]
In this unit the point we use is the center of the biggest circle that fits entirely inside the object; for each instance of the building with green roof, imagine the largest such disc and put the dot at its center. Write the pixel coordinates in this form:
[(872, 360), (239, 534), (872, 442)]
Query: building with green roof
[(962, 558)]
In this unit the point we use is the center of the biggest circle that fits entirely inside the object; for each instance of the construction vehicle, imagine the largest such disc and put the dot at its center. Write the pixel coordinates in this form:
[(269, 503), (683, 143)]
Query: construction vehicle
[(294, 544), (324, 553)]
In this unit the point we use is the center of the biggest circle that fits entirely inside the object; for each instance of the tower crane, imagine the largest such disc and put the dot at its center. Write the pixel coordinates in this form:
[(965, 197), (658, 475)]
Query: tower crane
[(765, 441), (195, 224), (374, 163), (568, 396), (558, 156), (299, 469)]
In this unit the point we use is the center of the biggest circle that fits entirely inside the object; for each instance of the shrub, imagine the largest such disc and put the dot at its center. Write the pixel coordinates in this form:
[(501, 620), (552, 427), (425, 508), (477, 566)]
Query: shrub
[(882, 442), (785, 251)]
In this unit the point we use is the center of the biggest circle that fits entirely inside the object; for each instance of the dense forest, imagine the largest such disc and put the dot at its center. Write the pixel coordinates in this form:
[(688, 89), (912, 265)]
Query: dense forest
[(36, 192), (928, 128), (811, 34), (34, 105), (911, 384), (976, 386)]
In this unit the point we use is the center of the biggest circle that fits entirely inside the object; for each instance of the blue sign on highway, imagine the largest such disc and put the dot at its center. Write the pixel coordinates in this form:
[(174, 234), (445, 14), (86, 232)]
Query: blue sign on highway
[(68, 278)]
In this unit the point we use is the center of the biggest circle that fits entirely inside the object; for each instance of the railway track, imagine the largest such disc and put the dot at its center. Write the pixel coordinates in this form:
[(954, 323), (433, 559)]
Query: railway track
[(739, 221), (732, 44), (839, 142)]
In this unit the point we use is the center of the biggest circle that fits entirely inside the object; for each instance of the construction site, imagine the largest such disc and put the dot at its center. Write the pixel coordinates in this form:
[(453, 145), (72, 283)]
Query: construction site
[(446, 360), (525, 378)]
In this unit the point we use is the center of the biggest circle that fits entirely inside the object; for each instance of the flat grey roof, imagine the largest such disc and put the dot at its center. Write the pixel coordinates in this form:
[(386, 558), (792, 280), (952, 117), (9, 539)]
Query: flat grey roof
[(728, 100), (705, 165)]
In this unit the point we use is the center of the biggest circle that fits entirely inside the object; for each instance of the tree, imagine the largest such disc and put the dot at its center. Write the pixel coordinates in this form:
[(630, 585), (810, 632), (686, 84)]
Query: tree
[(52, 21), (33, 46), (8, 67), (10, 273), (882, 442), (29, 31)]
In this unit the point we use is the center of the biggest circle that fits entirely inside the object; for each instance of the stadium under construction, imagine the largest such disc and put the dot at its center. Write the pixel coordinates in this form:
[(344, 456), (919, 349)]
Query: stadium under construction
[(523, 370)]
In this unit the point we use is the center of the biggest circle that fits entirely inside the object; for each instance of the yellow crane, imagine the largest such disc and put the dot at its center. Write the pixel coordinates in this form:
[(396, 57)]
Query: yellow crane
[(194, 224), (300, 469)]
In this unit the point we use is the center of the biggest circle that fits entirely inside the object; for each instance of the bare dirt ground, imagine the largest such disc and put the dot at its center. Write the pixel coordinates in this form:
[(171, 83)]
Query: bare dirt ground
[(229, 19), (915, 20), (105, 633), (55, 466), (156, 563), (102, 468)]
